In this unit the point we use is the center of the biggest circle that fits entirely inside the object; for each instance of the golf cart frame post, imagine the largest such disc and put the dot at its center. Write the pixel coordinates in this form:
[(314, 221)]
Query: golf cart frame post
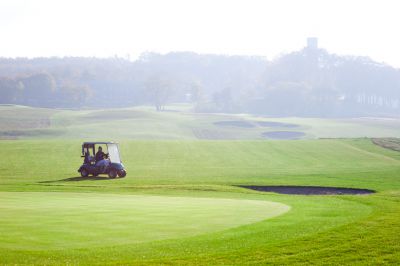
[(113, 167)]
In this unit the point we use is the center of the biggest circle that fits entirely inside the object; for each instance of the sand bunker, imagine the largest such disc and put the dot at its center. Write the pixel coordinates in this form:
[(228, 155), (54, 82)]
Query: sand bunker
[(237, 123), (283, 134), (311, 190)]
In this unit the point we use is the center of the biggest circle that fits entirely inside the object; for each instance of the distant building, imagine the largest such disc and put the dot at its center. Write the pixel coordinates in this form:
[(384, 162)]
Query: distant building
[(312, 43)]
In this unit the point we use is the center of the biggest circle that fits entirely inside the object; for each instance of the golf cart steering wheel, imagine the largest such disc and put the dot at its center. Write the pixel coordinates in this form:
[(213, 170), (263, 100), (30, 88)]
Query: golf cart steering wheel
[(106, 155)]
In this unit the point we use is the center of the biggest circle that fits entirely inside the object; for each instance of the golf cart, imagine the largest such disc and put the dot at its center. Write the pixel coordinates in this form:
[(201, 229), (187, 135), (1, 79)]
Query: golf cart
[(111, 164)]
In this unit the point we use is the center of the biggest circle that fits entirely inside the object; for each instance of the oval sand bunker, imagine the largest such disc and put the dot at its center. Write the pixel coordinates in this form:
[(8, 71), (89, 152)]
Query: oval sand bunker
[(310, 190), (62, 220)]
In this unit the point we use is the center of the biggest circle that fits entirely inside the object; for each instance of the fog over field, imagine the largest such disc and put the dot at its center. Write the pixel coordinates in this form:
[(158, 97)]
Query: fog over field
[(310, 82), (269, 66)]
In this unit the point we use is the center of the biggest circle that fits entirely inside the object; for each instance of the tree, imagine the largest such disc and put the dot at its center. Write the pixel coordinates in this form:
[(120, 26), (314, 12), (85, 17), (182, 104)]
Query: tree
[(73, 95), (39, 89), (159, 88), (10, 90)]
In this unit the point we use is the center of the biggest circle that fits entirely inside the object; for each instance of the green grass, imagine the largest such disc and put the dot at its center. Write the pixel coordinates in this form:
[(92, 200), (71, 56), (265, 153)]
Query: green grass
[(357, 163), (58, 220), (177, 204), (19, 122), (180, 203)]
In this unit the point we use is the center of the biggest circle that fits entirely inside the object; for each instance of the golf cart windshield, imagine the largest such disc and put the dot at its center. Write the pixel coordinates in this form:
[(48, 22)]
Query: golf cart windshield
[(113, 153)]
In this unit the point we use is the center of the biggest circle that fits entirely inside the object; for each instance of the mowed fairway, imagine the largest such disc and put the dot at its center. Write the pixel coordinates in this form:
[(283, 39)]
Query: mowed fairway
[(180, 204), (352, 163)]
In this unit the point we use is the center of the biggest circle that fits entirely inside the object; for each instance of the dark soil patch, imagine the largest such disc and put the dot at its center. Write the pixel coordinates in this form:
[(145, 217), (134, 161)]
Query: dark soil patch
[(276, 124), (311, 190), (237, 123), (283, 134), (388, 143)]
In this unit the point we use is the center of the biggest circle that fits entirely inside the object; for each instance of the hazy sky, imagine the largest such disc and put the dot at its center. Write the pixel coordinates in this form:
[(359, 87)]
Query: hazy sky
[(248, 27)]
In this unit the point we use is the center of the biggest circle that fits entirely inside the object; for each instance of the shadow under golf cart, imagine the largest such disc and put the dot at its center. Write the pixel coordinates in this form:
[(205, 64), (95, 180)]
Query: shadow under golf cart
[(80, 178)]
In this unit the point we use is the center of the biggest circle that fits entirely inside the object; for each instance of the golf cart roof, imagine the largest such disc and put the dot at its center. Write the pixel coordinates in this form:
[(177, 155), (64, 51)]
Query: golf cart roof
[(98, 142)]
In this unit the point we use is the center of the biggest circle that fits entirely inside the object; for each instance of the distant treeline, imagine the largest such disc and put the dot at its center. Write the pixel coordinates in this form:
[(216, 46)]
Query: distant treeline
[(309, 82)]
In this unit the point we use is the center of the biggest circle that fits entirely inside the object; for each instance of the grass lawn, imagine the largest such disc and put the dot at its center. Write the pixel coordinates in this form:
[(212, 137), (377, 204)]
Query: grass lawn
[(177, 123), (59, 220), (180, 202)]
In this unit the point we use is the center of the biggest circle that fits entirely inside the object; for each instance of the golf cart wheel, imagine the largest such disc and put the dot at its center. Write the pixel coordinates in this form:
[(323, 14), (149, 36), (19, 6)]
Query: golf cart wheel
[(84, 173), (122, 173), (112, 173)]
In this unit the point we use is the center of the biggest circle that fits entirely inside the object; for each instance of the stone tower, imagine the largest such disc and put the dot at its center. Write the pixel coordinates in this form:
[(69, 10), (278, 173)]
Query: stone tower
[(312, 43)]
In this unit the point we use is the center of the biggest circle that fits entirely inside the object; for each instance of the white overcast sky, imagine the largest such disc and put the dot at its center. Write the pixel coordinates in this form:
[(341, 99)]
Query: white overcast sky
[(246, 27)]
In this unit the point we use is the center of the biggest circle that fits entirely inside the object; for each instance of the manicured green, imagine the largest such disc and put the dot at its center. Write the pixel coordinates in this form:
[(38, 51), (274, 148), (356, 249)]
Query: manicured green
[(58, 220)]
